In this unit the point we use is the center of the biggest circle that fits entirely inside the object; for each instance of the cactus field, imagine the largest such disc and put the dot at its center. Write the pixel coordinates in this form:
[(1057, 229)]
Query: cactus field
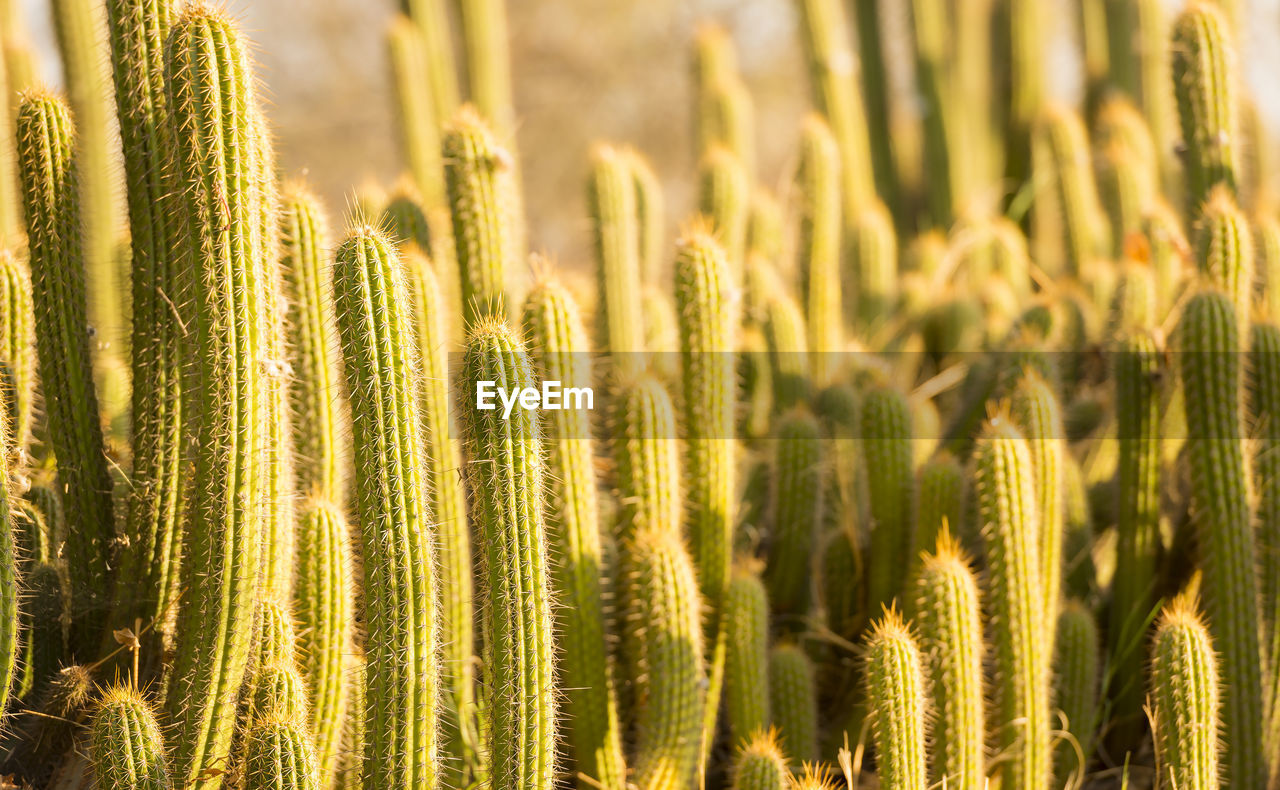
[(945, 457)]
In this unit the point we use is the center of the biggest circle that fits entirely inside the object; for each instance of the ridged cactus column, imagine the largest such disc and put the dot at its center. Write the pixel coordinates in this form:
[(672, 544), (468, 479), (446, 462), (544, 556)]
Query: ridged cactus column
[(17, 346), (1076, 691), (9, 582), (1224, 253), (1005, 493), (896, 700), (484, 38), (552, 323), (51, 202), (393, 508), (1036, 412), (886, 447), (818, 250), (746, 659), (125, 746), (1185, 700), (1205, 85), (760, 765), (507, 473), (1264, 391), (611, 198), (646, 458), (419, 125), (1211, 379), (278, 756), (797, 514), (207, 75), (707, 319), (793, 701), (1024, 38)]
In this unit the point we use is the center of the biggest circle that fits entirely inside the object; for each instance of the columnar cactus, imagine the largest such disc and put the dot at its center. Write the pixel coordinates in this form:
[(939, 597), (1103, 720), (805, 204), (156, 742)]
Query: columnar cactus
[(1205, 86), (507, 473), (1185, 700), (896, 699), (872, 252), (1211, 379), (760, 764), (646, 458), (793, 702), (798, 488), (51, 203), (929, 23), (789, 359), (9, 584), (1169, 253), (724, 198), (1005, 496), (432, 18), (746, 672), (946, 611), (393, 510), (41, 628), (126, 749), (818, 247), (1264, 385), (479, 177), (1224, 253), (1074, 211), (17, 349), (484, 38), (1023, 34), (941, 491), (664, 659), (611, 198), (430, 317), (1076, 691), (766, 223), (650, 218), (1036, 412), (322, 605), (553, 325), (886, 446), (278, 756), (419, 126)]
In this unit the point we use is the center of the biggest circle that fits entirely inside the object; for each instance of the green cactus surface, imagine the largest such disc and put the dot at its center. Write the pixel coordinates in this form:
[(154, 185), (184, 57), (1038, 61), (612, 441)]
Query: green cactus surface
[(1185, 700), (126, 748)]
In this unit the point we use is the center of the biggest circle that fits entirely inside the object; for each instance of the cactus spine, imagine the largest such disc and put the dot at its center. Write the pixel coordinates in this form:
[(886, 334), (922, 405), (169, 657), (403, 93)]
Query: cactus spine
[(1205, 86), (611, 197), (551, 320), (664, 659), (125, 745), (394, 513), (478, 175), (507, 473), (52, 207), (278, 756), (1211, 378), (797, 514), (1006, 506), (1076, 685), (818, 188), (895, 697), (886, 434), (1185, 700), (746, 673), (760, 765), (793, 701)]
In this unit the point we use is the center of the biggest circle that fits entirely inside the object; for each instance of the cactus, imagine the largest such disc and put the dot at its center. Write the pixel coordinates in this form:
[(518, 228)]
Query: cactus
[(1264, 378), (1068, 216), (1076, 685), (789, 360), (646, 458), (793, 702), (760, 764), (478, 174), (1138, 393), (746, 622), (277, 690), (818, 189), (832, 70), (9, 591), (1022, 37), (649, 217), (278, 756), (664, 659), (868, 21), (322, 604), (947, 615), (52, 207), (896, 699), (798, 487), (945, 190), (1036, 412), (419, 126), (1205, 87), (1224, 253), (1267, 263), (80, 34), (17, 350), (766, 225), (507, 472), (1211, 378), (1006, 506), (393, 508), (886, 434), (1169, 251), (705, 307), (941, 489), (352, 753), (724, 199), (724, 113), (41, 629), (872, 252), (125, 745), (611, 196), (1185, 700), (430, 317), (552, 323), (488, 83)]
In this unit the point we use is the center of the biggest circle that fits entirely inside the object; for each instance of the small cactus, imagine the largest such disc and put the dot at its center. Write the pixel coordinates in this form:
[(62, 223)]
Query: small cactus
[(1076, 686), (646, 458), (1205, 86), (724, 199), (125, 746), (793, 702), (278, 756), (895, 697), (17, 347), (746, 670), (419, 126), (1224, 253), (1185, 700), (760, 764), (817, 177), (798, 489), (886, 434)]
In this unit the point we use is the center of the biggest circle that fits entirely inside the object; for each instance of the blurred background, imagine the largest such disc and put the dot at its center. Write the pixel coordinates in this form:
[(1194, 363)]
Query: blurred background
[(583, 70)]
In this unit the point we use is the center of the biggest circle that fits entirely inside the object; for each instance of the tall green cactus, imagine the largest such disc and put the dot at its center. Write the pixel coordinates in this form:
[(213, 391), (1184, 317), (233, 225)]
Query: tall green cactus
[(1205, 83), (1005, 496), (872, 254), (646, 458), (941, 491), (895, 691), (507, 472), (1224, 253), (611, 198), (664, 659), (479, 177), (51, 203), (17, 347), (488, 82), (705, 305), (1211, 379), (207, 74), (1067, 213), (946, 612), (798, 488), (9, 581), (886, 446), (1076, 685), (793, 701), (1022, 39), (818, 247), (868, 18), (322, 605), (126, 749), (789, 359), (419, 126), (430, 316), (760, 765), (946, 189), (746, 672), (554, 327), (650, 215), (1185, 700), (279, 756), (393, 508), (1264, 386), (1036, 412), (724, 198)]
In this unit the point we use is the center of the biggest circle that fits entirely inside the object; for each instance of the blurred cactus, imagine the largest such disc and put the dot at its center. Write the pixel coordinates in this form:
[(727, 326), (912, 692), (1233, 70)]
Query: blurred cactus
[(793, 702), (1205, 85), (746, 673)]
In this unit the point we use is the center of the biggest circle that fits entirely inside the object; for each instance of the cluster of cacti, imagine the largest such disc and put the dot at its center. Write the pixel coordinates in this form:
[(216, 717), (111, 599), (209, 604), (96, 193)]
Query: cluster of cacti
[(955, 461)]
